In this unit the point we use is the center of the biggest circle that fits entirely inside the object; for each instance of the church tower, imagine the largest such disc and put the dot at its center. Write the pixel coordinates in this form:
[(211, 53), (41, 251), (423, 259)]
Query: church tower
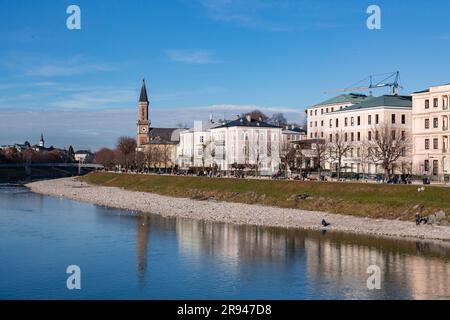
[(143, 123), (42, 142)]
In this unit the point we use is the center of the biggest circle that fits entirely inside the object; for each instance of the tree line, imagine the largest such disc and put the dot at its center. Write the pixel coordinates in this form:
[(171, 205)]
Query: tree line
[(127, 157)]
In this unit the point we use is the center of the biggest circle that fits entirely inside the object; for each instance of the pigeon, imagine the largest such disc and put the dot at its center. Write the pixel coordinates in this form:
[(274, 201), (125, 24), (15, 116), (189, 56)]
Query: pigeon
[(324, 223)]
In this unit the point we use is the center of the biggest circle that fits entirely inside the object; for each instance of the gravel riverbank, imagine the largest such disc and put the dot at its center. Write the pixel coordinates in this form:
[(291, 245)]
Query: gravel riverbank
[(233, 212)]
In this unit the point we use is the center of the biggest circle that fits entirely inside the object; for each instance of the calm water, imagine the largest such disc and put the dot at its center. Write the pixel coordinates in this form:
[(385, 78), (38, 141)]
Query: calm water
[(126, 256)]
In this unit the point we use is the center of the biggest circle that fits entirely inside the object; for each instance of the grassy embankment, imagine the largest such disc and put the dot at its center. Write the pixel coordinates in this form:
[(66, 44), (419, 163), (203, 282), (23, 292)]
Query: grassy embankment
[(368, 200)]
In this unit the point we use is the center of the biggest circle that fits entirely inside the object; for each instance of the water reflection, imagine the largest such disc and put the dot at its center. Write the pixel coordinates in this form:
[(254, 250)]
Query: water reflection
[(127, 255), (334, 262)]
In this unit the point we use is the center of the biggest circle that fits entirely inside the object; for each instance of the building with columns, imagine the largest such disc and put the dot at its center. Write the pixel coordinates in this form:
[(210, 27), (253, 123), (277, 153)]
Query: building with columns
[(430, 130)]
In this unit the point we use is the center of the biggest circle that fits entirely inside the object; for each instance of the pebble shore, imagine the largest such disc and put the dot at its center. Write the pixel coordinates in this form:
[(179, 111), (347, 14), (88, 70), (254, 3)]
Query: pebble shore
[(235, 213)]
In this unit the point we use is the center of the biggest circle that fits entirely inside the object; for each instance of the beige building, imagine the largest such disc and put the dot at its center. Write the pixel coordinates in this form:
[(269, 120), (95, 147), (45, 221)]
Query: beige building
[(430, 129), (316, 114), (358, 122)]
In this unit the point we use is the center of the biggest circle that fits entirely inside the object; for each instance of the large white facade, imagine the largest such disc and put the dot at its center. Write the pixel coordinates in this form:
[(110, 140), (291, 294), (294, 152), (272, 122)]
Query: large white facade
[(242, 143), (431, 134)]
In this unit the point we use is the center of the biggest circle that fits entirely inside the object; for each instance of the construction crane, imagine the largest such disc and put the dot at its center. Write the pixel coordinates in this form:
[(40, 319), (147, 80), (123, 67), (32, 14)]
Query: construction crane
[(394, 83)]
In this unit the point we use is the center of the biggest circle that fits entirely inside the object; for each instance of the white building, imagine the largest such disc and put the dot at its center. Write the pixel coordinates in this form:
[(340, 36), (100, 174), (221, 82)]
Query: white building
[(358, 122), (194, 149), (430, 130), (247, 142)]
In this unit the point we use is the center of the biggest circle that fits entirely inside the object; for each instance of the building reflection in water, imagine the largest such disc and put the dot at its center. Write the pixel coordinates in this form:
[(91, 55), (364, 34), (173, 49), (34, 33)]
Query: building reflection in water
[(327, 264), (142, 239)]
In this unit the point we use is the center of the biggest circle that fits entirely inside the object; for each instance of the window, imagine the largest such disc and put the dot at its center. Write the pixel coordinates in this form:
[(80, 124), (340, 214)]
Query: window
[(346, 122), (427, 104), (202, 139), (331, 123), (369, 137), (315, 135), (321, 111), (327, 110), (427, 144), (331, 138), (346, 137), (376, 135), (435, 143), (321, 123), (393, 119), (321, 134), (403, 119), (435, 167), (315, 112), (359, 121), (332, 109), (369, 120), (377, 119), (393, 135), (310, 135), (315, 124), (359, 136), (435, 102), (427, 165), (435, 122), (427, 123), (311, 124), (403, 135), (352, 121), (337, 123), (352, 136)]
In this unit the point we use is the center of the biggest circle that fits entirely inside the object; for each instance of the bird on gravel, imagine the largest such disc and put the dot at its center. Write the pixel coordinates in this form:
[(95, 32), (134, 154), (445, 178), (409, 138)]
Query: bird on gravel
[(324, 223)]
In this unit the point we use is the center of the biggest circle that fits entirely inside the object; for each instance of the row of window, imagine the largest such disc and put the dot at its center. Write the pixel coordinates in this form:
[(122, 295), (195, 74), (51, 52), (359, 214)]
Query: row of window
[(351, 153), (351, 121), (435, 144), (324, 110), (436, 103), (370, 135), (435, 124), (435, 167)]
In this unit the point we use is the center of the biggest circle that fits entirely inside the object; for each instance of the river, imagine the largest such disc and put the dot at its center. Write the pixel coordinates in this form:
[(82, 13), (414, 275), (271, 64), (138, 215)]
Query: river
[(126, 255)]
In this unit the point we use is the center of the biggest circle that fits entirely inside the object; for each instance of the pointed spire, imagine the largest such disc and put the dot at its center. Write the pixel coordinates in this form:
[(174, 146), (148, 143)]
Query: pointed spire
[(143, 97)]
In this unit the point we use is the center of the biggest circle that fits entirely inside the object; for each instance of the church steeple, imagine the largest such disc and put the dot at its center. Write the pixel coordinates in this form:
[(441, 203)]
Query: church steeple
[(143, 97), (143, 121), (42, 142)]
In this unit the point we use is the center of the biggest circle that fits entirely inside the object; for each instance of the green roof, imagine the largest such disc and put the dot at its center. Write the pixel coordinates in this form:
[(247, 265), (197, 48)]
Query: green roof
[(345, 98), (382, 101)]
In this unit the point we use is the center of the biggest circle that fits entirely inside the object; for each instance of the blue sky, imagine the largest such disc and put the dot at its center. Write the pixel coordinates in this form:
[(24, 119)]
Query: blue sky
[(199, 56)]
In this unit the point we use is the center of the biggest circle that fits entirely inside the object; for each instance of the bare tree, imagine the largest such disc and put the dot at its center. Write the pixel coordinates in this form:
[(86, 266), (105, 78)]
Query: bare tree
[(388, 145), (320, 154), (362, 154), (105, 157), (126, 146), (278, 119), (338, 148)]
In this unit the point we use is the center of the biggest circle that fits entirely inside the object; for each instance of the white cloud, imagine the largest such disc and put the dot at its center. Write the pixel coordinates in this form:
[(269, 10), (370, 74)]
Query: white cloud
[(193, 56)]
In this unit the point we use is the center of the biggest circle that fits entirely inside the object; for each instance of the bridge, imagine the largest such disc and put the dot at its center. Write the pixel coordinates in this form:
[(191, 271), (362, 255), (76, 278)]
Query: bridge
[(26, 171)]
